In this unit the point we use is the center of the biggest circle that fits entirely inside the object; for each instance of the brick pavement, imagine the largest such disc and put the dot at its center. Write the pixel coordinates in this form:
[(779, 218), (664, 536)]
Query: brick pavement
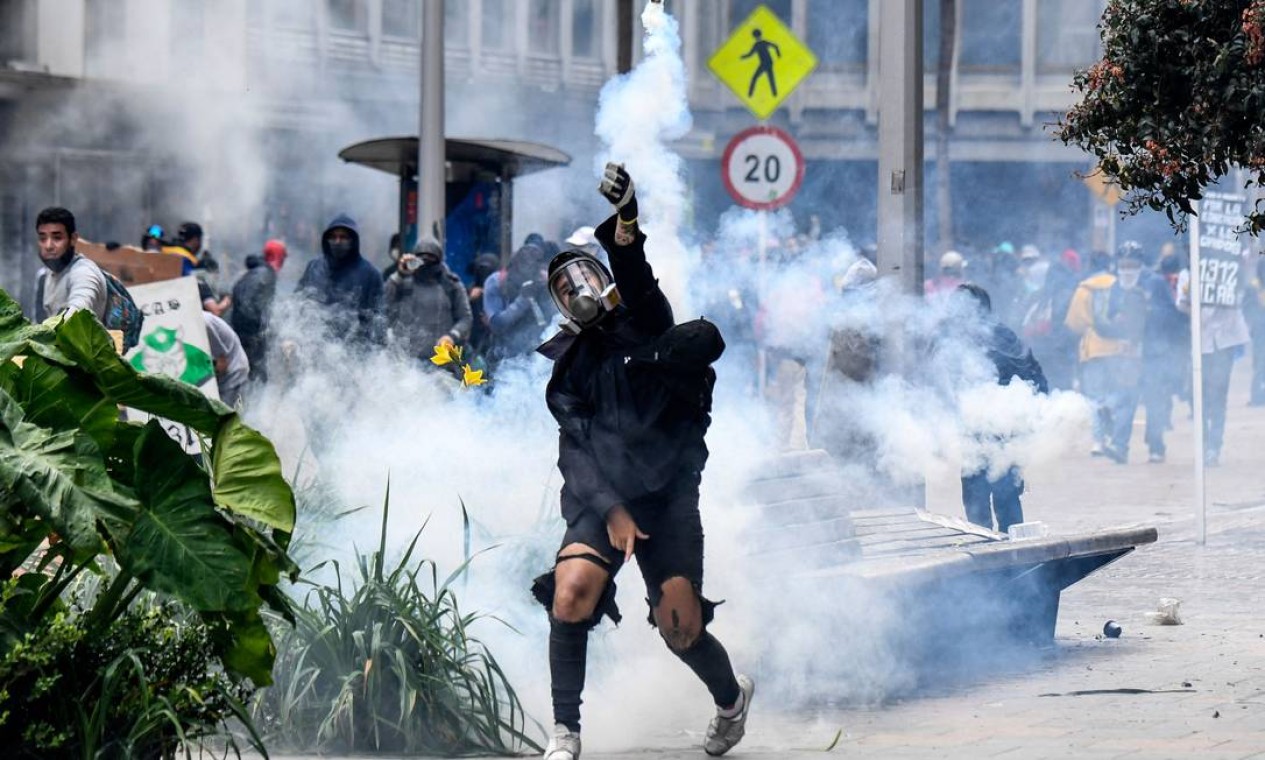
[(1203, 682)]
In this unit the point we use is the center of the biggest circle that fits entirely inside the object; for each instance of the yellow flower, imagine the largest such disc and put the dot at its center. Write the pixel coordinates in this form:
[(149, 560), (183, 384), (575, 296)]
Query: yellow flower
[(446, 353), (471, 376)]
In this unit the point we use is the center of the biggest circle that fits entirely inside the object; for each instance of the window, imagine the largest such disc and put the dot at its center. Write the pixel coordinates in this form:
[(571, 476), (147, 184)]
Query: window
[(456, 24), (105, 26), (542, 26), (348, 15), (497, 25), (989, 38), (586, 29), (740, 9), (188, 32), (292, 14), (1067, 34), (402, 18), (839, 31), (17, 31)]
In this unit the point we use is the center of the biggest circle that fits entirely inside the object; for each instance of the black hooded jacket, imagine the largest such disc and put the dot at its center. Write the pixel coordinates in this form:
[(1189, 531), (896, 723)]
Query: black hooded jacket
[(252, 298), (350, 288), (629, 423)]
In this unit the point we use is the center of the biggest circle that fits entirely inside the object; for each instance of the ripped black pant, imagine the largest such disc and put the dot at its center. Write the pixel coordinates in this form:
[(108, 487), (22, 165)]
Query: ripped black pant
[(674, 550)]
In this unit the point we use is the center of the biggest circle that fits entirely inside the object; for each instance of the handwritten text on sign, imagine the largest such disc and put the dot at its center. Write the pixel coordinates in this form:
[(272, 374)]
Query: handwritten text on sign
[(1221, 253)]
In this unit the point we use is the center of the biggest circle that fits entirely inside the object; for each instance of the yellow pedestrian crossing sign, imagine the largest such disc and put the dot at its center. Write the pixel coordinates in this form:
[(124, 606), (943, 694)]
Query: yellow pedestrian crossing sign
[(762, 62)]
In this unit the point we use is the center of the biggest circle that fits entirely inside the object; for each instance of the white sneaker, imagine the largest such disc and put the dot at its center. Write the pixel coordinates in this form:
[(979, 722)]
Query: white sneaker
[(723, 734), (565, 744)]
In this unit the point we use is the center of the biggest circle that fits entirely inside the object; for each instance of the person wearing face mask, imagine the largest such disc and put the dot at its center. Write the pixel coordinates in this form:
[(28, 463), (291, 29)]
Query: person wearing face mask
[(348, 286), (1109, 312), (516, 303), (69, 282), (631, 392), (426, 303)]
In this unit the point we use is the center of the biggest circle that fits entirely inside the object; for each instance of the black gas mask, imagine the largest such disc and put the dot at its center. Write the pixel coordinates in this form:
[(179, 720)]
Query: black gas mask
[(582, 289)]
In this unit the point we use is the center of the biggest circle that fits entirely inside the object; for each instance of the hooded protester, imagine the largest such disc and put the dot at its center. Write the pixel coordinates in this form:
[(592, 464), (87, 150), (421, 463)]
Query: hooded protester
[(426, 303), (516, 302), (1108, 311), (483, 267), (346, 284), (985, 498), (631, 393), (253, 295), (69, 281)]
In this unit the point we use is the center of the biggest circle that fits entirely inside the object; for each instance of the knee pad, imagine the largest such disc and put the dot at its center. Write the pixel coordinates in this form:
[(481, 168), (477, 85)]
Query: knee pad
[(545, 585)]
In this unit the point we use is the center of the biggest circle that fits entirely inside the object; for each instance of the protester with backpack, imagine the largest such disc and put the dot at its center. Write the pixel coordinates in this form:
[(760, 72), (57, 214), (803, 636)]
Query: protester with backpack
[(1108, 312), (70, 282)]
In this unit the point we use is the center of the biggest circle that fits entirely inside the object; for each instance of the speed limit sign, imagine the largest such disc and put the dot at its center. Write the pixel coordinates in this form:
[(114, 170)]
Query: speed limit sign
[(763, 168)]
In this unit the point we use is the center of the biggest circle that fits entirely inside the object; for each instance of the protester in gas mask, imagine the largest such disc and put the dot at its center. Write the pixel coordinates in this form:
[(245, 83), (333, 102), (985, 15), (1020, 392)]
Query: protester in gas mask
[(426, 303), (346, 284), (632, 396), (69, 282), (517, 304), (1109, 312)]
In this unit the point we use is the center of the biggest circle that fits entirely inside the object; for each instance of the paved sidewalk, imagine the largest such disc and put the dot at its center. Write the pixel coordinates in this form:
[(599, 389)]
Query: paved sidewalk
[(1157, 692)]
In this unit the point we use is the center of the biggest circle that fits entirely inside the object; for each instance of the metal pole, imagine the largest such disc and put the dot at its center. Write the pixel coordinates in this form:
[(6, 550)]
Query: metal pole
[(624, 36), (900, 143), (1197, 384), (431, 169)]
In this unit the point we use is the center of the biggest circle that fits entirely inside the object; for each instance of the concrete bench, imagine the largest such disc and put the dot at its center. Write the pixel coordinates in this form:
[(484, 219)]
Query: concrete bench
[(941, 567)]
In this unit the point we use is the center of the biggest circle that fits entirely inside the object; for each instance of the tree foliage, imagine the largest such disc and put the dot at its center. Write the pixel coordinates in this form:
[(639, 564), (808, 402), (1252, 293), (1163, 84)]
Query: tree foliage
[(1175, 104)]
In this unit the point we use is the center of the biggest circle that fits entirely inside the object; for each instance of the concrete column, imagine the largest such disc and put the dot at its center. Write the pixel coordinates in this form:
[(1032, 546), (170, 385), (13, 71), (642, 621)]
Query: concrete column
[(431, 168), (900, 142)]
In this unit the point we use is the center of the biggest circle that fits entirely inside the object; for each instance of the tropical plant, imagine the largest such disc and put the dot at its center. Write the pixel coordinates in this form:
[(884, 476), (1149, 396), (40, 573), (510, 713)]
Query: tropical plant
[(389, 664), (1175, 103), (146, 687), (79, 482)]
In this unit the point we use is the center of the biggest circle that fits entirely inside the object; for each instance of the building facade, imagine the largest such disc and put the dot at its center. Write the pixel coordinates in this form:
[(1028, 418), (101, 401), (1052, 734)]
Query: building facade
[(132, 111)]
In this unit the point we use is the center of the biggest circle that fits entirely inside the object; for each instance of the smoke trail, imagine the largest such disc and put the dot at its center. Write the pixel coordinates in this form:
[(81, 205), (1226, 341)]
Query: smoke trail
[(638, 114)]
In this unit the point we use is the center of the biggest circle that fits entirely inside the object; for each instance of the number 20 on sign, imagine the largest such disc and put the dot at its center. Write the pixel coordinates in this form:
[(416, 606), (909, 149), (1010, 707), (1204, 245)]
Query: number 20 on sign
[(763, 168)]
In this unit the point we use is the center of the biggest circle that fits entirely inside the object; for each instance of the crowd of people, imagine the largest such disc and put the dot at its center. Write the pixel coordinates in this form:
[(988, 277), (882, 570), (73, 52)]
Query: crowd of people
[(1114, 326)]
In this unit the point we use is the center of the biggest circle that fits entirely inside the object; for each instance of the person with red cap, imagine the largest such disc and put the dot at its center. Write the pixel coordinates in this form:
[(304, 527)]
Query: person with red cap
[(252, 302)]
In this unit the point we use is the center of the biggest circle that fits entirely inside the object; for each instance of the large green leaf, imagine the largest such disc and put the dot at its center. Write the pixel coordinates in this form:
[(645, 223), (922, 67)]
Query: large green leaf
[(179, 543), (62, 399), (20, 337), (59, 476), (249, 651), (81, 338), (248, 477)]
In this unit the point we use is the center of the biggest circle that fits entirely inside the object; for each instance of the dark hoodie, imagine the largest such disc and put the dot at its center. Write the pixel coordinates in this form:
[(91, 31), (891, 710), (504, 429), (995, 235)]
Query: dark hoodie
[(350, 287), (427, 305), (252, 298)]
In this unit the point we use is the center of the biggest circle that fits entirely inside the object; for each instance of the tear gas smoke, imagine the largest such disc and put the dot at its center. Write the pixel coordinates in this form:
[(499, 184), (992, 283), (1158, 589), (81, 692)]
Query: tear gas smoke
[(351, 421), (813, 642)]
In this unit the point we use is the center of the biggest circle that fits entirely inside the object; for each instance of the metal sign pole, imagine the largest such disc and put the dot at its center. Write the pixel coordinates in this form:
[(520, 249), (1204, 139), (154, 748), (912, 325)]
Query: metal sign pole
[(1197, 384)]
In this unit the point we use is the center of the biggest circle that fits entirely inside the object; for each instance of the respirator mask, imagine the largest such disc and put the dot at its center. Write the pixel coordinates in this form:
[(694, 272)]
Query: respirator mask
[(582, 289)]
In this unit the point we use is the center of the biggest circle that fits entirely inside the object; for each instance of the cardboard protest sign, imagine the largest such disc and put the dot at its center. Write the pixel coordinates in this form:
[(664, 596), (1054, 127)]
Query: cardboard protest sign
[(1222, 256), (174, 343)]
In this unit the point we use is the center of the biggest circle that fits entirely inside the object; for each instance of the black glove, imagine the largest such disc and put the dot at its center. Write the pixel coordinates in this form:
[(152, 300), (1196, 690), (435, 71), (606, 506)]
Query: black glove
[(617, 187)]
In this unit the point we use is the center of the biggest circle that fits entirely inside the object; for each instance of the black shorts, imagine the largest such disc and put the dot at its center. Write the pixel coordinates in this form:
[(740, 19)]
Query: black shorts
[(674, 550)]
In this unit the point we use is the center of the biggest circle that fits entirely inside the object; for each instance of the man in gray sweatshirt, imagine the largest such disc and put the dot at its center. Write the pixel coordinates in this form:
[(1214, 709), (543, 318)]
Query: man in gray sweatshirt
[(69, 281)]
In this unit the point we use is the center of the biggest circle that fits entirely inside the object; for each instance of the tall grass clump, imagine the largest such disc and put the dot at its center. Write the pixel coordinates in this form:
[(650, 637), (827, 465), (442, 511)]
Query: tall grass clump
[(385, 661)]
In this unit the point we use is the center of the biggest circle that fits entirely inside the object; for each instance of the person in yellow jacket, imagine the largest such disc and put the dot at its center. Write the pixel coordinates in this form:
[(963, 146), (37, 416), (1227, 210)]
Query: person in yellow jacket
[(1108, 312)]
